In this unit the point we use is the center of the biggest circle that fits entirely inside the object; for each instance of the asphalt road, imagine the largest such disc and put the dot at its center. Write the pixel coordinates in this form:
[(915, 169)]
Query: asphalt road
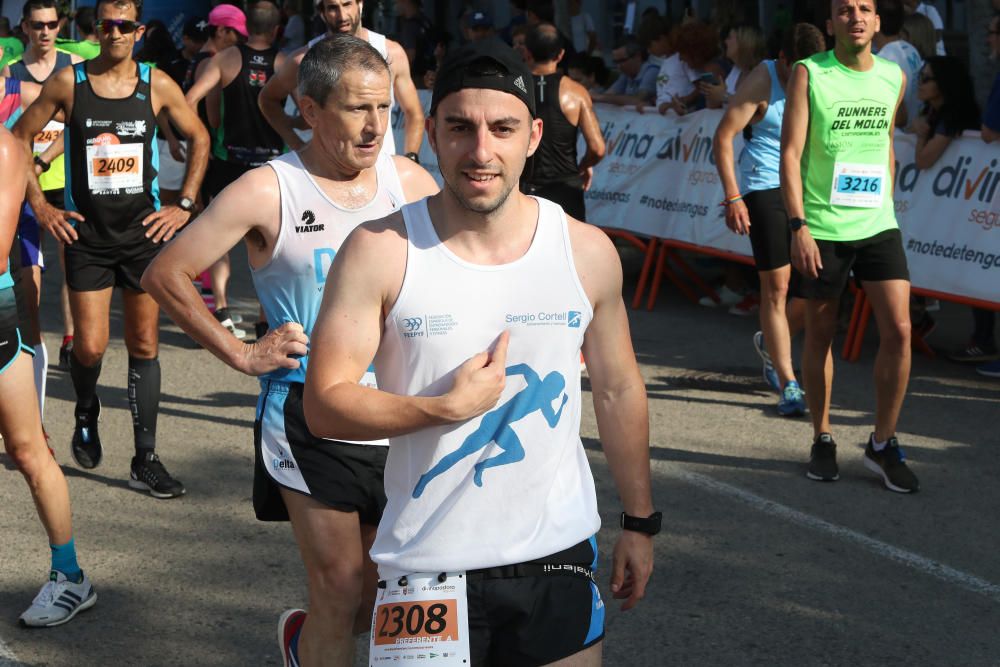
[(756, 564)]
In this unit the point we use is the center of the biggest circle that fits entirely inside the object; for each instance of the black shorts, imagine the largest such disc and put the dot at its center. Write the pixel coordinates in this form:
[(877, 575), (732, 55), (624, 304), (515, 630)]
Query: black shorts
[(535, 619), (219, 175), (12, 313), (567, 195), (875, 259), (769, 234), (89, 269), (56, 198), (342, 475)]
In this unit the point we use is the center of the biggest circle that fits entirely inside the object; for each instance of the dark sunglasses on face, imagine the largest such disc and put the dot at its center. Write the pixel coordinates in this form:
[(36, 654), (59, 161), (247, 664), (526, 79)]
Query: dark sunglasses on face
[(124, 25), (39, 25)]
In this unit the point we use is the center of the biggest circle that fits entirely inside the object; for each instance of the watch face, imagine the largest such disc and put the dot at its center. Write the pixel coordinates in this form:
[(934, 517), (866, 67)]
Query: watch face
[(186, 204)]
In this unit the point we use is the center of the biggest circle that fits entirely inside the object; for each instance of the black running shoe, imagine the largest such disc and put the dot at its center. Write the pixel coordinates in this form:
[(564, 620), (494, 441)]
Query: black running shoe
[(148, 474), (890, 464), (86, 446), (65, 350), (823, 459)]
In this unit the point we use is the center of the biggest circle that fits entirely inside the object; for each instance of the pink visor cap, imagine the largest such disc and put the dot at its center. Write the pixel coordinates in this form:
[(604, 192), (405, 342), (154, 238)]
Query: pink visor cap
[(229, 16)]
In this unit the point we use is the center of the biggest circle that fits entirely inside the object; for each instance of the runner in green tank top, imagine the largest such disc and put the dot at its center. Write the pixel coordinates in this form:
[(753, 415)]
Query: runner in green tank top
[(837, 167)]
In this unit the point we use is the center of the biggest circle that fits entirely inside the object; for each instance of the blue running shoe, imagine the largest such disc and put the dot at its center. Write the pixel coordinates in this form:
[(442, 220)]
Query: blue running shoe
[(770, 375), (793, 400)]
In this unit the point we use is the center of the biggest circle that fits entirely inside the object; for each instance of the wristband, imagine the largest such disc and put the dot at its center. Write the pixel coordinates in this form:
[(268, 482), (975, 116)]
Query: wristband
[(649, 525), (730, 200), (41, 163)]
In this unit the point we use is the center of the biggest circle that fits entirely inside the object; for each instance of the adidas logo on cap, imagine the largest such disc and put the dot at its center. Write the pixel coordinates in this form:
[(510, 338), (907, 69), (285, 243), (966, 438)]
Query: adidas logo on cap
[(519, 82)]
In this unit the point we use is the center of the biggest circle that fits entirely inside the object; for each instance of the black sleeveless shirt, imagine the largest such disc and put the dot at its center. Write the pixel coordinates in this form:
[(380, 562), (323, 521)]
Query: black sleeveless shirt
[(186, 86), (19, 70), (244, 136), (555, 159), (112, 162)]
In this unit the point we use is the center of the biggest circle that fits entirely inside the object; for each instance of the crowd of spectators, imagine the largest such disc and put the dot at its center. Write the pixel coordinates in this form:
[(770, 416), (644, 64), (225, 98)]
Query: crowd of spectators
[(675, 68)]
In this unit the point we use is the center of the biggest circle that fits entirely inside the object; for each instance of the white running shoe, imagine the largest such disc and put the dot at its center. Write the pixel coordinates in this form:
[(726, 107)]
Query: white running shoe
[(727, 298), (59, 601)]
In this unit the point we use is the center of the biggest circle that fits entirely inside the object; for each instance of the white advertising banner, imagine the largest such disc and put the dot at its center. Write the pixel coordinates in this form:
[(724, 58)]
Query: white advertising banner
[(658, 178)]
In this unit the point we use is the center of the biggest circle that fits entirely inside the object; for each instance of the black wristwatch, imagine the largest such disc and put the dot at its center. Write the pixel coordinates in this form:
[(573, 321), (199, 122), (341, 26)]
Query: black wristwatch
[(186, 204), (795, 224), (42, 163), (413, 156), (650, 525)]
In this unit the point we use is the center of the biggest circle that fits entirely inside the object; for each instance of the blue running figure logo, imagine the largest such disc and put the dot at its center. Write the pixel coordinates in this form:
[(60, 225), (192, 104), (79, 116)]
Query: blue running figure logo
[(496, 425)]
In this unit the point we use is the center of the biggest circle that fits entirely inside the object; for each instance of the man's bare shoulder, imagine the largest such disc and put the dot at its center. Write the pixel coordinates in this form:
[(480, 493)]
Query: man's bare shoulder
[(229, 58), (61, 80), (417, 182), (380, 234), (395, 51), (570, 87), (586, 237), (594, 254)]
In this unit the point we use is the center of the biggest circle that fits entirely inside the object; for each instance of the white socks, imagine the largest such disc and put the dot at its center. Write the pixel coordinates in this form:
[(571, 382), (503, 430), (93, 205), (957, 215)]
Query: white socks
[(41, 364)]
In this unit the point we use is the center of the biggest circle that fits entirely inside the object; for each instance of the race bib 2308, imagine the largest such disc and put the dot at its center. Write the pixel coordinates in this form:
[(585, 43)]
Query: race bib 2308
[(421, 617)]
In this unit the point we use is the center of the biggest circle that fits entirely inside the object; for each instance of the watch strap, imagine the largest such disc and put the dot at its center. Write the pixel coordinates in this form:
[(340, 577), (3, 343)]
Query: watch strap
[(649, 525)]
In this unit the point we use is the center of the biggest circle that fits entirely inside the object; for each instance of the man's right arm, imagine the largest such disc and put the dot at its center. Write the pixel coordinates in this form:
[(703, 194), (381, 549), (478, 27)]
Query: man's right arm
[(250, 205), (794, 128), (364, 279), (590, 128), (210, 76), (742, 107), (272, 99), (56, 96)]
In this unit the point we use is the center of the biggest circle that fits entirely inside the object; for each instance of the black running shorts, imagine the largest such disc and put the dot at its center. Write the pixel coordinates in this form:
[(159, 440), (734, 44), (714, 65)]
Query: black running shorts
[(769, 233), (12, 312), (219, 175), (89, 269), (535, 619), (875, 259), (567, 195), (341, 475)]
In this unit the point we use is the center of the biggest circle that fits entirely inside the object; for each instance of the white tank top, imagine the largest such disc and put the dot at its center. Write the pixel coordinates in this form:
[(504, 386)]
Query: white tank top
[(378, 42), (514, 484), (313, 227)]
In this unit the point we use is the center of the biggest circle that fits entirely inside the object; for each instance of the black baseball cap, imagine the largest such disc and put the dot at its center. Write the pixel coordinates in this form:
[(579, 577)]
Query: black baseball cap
[(487, 63)]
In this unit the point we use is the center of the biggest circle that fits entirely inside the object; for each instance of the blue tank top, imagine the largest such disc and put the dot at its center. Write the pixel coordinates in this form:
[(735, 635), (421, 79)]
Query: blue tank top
[(761, 157)]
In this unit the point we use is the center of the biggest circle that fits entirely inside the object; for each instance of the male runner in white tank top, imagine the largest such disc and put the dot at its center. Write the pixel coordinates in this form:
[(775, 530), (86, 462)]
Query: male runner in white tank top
[(294, 214), (344, 16), (473, 308)]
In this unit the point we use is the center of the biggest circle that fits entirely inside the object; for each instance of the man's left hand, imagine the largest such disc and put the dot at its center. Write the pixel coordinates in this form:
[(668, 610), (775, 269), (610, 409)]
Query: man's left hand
[(162, 225), (632, 564)]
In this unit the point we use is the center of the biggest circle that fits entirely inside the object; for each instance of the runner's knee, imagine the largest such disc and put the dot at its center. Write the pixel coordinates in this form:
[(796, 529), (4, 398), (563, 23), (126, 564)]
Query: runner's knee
[(896, 334), (26, 453), (336, 587), (88, 352), (142, 344)]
